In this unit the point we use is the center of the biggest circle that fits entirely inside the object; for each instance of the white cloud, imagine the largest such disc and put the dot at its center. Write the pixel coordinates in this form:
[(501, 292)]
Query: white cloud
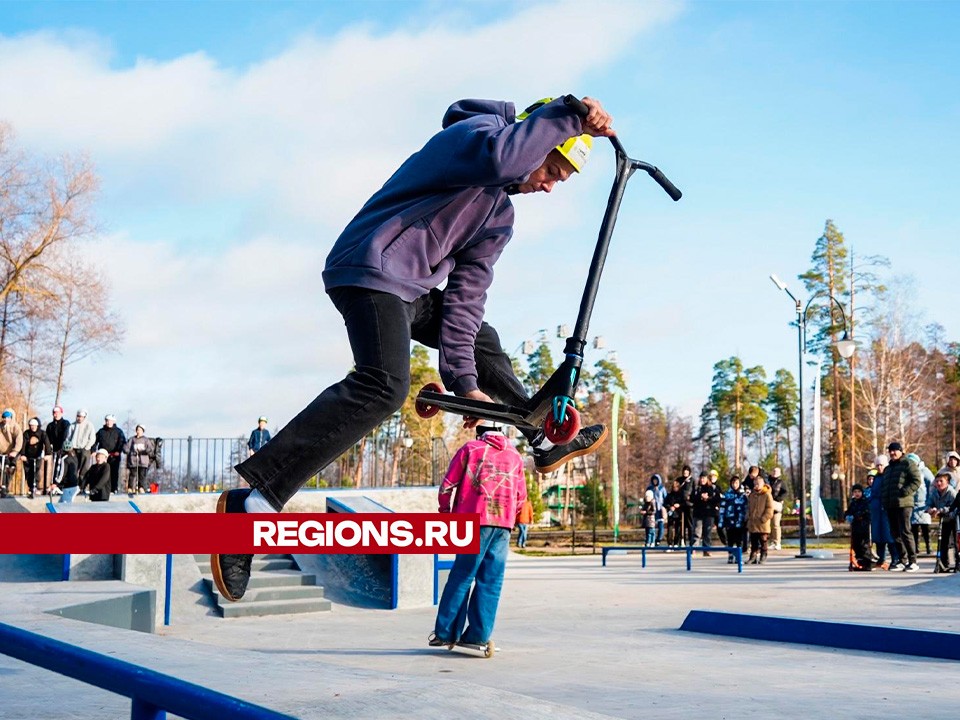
[(293, 145)]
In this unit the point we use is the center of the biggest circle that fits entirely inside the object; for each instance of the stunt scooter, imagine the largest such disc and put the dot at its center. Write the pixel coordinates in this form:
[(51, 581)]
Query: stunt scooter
[(553, 406)]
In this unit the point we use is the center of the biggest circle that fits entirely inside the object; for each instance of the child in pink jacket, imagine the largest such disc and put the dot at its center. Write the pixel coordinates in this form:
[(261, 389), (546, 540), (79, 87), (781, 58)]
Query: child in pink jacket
[(485, 477)]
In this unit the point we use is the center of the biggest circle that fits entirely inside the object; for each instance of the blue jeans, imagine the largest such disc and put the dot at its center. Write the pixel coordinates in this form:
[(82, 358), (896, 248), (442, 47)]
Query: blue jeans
[(480, 609), (522, 537), (68, 494), (649, 540), (659, 530)]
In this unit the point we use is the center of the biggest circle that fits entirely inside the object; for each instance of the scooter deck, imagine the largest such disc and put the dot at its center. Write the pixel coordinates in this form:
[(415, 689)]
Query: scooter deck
[(488, 648), (509, 414)]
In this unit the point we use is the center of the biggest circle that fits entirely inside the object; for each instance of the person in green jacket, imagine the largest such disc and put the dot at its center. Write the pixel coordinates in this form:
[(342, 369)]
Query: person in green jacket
[(900, 481)]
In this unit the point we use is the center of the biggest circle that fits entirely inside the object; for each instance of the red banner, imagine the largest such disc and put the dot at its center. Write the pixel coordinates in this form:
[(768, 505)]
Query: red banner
[(162, 533)]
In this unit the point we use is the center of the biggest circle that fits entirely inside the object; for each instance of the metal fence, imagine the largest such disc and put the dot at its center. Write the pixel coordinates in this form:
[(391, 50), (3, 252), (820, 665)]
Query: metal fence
[(206, 464), (199, 464)]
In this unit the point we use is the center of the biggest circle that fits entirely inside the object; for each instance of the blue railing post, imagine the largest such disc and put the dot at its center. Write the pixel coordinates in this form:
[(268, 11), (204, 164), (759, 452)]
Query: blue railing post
[(142, 710), (167, 589), (643, 557), (689, 557)]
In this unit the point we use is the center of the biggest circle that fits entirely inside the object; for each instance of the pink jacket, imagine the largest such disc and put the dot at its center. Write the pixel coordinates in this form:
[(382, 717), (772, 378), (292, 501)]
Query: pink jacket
[(488, 477)]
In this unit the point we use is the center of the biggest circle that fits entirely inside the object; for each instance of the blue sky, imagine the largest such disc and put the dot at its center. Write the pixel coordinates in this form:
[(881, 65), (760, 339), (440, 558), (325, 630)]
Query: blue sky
[(234, 140)]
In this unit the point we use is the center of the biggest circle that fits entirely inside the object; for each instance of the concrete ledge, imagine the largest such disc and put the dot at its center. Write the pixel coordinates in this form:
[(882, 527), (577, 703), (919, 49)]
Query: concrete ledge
[(846, 636)]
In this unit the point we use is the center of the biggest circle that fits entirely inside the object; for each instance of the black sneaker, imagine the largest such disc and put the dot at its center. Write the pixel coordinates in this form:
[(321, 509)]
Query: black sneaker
[(434, 641), (587, 441), (231, 573)]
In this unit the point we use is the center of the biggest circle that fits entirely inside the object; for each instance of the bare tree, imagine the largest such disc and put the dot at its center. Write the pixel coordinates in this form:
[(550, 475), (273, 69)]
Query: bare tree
[(82, 324), (43, 206)]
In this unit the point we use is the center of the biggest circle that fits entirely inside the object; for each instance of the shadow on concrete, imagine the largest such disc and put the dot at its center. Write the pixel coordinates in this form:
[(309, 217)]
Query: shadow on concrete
[(14, 505), (31, 568)]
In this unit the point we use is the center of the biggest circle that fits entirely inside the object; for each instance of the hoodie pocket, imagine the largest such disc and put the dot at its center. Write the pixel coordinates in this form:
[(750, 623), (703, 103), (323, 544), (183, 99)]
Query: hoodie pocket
[(413, 253)]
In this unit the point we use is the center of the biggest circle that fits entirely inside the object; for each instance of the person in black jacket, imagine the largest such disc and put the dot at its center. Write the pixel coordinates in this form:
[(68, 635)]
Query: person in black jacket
[(68, 480), (677, 510), (111, 439), (57, 431), (858, 515), (687, 484), (779, 491), (96, 481), (705, 507), (35, 448), (900, 481)]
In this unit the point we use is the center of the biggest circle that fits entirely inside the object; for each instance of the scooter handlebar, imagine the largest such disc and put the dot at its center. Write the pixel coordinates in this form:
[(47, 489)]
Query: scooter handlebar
[(576, 105), (582, 110), (665, 183)]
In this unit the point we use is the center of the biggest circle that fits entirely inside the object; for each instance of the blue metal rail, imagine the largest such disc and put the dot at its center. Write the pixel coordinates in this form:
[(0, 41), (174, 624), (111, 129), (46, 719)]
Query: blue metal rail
[(152, 693), (644, 549)]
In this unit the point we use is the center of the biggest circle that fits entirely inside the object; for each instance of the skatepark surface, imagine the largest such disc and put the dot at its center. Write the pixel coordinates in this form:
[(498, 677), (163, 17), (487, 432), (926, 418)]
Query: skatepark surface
[(576, 640)]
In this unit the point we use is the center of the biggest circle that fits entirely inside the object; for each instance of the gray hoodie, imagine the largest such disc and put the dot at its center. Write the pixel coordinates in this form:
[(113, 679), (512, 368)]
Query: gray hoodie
[(82, 436)]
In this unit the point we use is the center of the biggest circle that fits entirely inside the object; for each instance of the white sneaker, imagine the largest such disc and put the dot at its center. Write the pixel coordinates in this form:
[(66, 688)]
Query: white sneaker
[(912, 567)]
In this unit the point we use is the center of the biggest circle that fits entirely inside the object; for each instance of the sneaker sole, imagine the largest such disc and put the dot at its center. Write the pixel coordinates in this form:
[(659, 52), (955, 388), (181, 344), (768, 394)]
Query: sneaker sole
[(215, 558), (584, 451)]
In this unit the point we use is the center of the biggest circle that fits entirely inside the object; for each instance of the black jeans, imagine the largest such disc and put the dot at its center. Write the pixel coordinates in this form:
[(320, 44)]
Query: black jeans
[(32, 472), (860, 543), (735, 537), (947, 547), (758, 544), (899, 518), (114, 464), (675, 530), (380, 327)]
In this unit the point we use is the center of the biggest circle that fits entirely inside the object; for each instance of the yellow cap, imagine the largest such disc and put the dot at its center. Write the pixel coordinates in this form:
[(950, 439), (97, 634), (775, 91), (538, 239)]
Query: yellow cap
[(576, 150)]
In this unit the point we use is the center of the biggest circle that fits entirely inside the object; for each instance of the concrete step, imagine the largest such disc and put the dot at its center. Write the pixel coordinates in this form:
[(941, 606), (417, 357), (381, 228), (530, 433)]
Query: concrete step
[(259, 564), (274, 578), (274, 607), (298, 592), (276, 587)]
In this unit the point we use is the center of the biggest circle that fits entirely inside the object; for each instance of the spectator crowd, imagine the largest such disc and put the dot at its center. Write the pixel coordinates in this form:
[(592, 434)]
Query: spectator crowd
[(891, 514), (66, 459), (748, 515)]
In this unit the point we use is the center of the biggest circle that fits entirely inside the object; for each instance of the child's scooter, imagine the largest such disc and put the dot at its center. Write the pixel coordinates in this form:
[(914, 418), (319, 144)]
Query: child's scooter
[(552, 406)]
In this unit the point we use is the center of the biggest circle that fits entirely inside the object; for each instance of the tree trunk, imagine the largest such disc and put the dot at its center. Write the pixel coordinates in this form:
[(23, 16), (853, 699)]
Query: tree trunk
[(358, 470)]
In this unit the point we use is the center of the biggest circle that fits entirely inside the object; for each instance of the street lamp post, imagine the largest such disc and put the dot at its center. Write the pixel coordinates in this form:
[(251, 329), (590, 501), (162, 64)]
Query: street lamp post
[(846, 348)]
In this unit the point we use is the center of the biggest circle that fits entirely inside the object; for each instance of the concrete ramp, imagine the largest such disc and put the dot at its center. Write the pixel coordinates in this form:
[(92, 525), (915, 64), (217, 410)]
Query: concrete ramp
[(372, 581)]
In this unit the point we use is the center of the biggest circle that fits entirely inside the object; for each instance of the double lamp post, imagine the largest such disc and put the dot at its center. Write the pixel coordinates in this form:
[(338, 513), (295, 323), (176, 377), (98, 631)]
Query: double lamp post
[(846, 348)]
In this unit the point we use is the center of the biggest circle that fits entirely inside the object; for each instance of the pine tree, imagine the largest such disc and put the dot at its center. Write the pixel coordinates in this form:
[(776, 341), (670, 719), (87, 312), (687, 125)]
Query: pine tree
[(824, 280), (737, 394), (782, 403)]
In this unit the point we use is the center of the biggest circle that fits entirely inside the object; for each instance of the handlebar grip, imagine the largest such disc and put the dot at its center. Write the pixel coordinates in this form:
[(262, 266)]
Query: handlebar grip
[(663, 182), (578, 107)]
